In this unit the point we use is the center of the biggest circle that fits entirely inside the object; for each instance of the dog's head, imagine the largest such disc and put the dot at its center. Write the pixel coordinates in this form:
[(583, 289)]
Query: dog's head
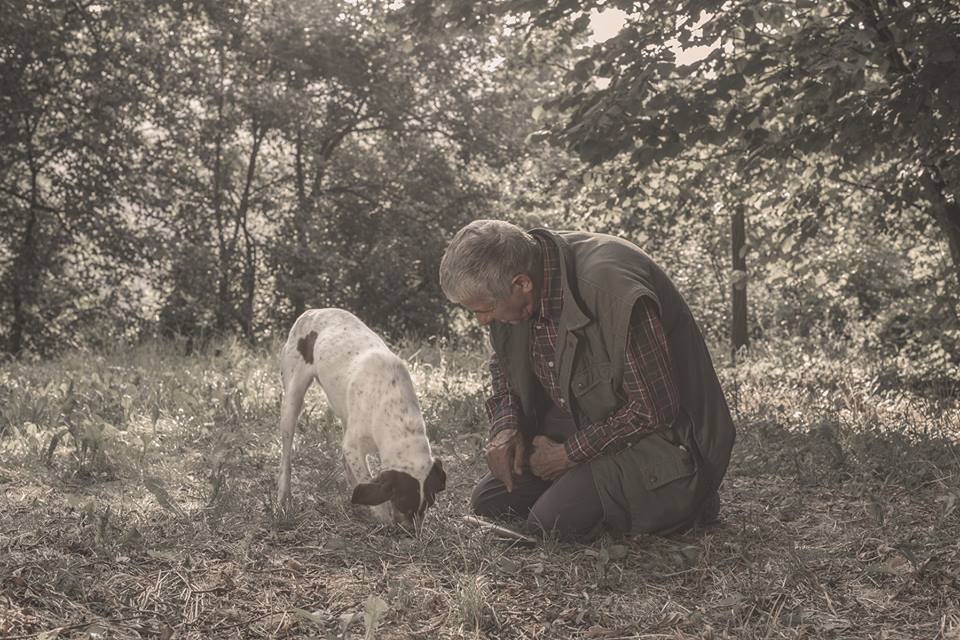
[(402, 490)]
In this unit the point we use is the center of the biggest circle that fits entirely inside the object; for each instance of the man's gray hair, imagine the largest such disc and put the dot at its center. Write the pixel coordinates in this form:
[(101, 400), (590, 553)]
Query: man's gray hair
[(482, 259)]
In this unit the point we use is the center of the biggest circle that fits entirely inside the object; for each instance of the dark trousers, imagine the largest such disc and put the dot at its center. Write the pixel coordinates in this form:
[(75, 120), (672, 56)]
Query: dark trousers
[(568, 507)]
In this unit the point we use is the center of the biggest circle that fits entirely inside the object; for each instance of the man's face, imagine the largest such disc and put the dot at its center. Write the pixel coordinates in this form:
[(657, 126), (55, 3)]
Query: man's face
[(518, 306)]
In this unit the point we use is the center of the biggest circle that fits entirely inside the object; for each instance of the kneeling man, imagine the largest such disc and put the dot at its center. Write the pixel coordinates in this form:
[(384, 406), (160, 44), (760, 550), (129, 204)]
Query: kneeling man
[(606, 410)]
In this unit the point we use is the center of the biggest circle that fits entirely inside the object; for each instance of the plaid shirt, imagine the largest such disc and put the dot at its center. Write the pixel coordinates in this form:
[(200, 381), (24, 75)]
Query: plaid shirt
[(652, 397)]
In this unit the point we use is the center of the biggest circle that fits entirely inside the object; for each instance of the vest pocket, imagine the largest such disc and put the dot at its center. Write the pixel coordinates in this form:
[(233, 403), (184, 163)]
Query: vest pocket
[(662, 462), (650, 486), (592, 388)]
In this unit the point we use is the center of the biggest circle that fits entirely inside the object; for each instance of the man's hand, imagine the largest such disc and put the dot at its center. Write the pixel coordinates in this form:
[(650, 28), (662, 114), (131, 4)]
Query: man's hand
[(549, 459), (505, 456)]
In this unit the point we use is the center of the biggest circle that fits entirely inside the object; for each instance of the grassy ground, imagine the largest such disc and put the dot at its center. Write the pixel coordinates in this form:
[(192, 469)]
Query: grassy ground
[(136, 501)]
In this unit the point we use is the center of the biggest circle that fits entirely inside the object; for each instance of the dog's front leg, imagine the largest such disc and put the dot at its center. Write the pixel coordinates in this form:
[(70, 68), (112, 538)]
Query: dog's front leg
[(355, 462), (352, 480), (357, 471)]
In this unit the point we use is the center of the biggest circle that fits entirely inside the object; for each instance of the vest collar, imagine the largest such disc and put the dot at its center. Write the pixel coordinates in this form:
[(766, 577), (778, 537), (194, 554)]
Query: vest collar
[(572, 312)]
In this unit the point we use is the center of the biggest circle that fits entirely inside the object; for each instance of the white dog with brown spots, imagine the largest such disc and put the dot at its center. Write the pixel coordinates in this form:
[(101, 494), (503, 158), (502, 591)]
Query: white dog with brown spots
[(370, 390)]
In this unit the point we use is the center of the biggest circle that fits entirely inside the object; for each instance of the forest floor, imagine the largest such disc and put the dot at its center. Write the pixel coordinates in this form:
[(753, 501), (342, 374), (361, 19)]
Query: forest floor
[(136, 500)]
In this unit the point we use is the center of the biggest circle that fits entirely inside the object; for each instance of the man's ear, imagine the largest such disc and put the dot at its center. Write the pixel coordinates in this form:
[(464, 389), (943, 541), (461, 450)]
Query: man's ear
[(524, 281), (373, 493)]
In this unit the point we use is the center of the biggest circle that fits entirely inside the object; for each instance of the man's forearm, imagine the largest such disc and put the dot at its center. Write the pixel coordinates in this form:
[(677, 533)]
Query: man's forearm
[(502, 406), (631, 423), (502, 413)]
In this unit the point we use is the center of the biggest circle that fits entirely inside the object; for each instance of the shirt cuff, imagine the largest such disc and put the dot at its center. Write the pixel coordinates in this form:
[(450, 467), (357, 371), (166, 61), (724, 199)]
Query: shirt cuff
[(501, 415), (575, 449)]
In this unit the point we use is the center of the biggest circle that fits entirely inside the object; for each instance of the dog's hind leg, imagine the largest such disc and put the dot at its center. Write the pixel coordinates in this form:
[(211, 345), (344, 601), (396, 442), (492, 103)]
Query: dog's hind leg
[(296, 380)]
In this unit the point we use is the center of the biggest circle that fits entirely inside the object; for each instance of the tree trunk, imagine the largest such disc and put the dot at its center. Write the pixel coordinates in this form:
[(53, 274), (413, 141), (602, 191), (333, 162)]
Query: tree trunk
[(739, 253), (249, 285), (309, 175), (949, 220), (21, 285), (300, 216), (224, 302), (250, 254), (945, 213), (25, 276)]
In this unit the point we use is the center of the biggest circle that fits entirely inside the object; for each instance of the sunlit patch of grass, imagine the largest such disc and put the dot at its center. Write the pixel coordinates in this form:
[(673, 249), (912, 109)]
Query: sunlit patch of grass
[(824, 418), (473, 599), (451, 387)]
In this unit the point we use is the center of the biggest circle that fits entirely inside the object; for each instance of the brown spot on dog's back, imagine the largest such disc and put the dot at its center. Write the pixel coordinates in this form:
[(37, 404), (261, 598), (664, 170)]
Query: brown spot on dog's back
[(305, 346)]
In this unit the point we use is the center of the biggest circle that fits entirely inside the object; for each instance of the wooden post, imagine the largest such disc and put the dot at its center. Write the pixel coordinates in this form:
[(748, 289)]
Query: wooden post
[(739, 251)]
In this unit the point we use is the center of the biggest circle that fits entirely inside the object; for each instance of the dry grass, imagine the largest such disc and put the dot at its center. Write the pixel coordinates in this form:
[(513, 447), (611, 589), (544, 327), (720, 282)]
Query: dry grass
[(840, 518)]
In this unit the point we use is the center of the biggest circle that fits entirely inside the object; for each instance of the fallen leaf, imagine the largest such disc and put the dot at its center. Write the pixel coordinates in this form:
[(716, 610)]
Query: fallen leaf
[(293, 564), (316, 617), (731, 600), (833, 624), (373, 610), (792, 619), (155, 486), (509, 565), (617, 551), (949, 501)]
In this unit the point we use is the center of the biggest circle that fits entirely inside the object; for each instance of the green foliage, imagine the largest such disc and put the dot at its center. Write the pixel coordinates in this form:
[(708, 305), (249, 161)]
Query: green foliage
[(878, 279), (833, 124), (450, 380), (203, 169), (185, 168), (68, 129), (99, 416), (843, 412)]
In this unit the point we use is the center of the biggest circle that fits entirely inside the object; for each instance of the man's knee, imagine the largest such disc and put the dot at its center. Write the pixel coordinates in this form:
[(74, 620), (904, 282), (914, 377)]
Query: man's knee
[(490, 498), (570, 509), (484, 502), (567, 524)]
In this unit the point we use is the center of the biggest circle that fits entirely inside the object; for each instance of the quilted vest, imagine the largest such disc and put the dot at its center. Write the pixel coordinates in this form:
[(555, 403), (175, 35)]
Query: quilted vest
[(603, 278)]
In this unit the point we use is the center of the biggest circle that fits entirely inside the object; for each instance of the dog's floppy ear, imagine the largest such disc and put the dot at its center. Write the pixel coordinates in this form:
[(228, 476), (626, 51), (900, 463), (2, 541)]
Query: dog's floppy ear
[(437, 479), (374, 493)]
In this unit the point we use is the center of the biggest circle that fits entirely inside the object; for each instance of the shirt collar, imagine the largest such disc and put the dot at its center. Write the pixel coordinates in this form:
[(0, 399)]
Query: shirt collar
[(551, 289)]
